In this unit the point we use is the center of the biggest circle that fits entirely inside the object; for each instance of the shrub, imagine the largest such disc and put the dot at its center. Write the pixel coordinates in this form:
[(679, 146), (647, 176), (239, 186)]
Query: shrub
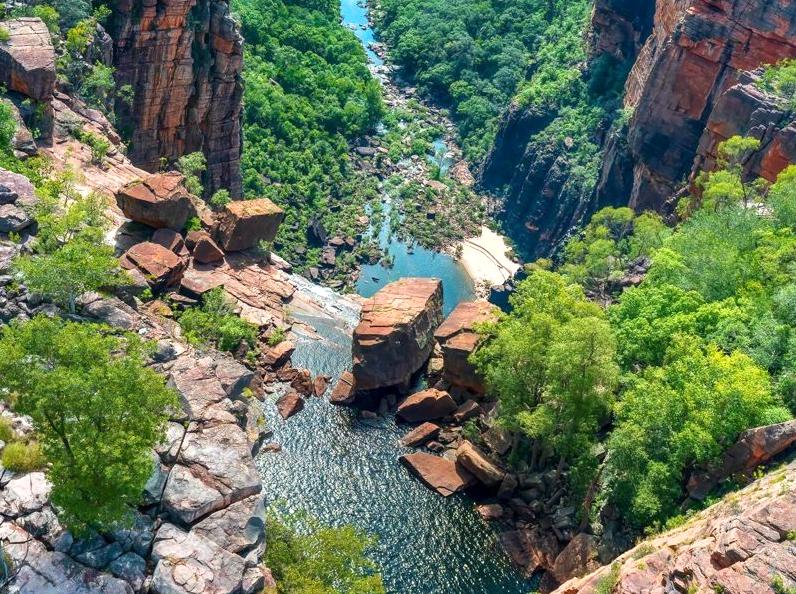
[(220, 199), (7, 433), (192, 166), (215, 323), (8, 125), (23, 457), (4, 35), (277, 336)]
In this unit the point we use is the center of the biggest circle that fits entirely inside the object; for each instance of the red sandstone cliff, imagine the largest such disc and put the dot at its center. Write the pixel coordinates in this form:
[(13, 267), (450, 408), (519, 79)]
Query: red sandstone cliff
[(183, 58)]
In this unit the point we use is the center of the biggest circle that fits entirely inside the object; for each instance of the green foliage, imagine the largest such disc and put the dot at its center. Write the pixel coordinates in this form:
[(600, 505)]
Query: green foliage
[(71, 11), (780, 79), (551, 364), (98, 411), (23, 457), (8, 126), (215, 323), (309, 558), (193, 166), (702, 400), (276, 336), (308, 95), (193, 224), (99, 145), (4, 35), (98, 87), (7, 433), (607, 583), (220, 199), (45, 12)]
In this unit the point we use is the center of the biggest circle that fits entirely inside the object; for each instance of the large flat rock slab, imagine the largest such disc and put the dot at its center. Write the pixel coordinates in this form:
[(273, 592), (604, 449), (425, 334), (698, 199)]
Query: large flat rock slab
[(160, 201), (395, 335), (439, 474)]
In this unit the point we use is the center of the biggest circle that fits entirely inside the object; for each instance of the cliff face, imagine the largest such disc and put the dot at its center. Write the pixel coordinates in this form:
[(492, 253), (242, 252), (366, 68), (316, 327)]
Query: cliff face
[(689, 89), (533, 172), (183, 58), (698, 51)]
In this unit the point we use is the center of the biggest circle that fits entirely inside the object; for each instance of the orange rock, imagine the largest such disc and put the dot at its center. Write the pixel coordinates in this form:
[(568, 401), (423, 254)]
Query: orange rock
[(439, 474), (344, 391), (394, 338), (426, 405), (27, 59), (420, 435), (481, 467), (458, 339), (160, 266), (160, 201), (244, 223)]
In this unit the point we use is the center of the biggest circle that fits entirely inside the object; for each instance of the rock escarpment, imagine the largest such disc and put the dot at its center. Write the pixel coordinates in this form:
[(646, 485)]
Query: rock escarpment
[(742, 545), (183, 59), (698, 50)]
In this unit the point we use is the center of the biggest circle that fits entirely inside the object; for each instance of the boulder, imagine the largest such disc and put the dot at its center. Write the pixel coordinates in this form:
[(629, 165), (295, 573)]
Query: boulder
[(289, 405), (25, 494), (16, 189), (244, 223), (420, 435), (344, 391), (161, 267), (14, 218), (394, 338), (468, 410), (753, 448), (275, 356), (458, 339), (160, 201), (531, 548), (427, 405), (471, 458), (188, 563), (203, 248), (441, 475), (171, 240), (319, 385), (27, 59), (490, 511)]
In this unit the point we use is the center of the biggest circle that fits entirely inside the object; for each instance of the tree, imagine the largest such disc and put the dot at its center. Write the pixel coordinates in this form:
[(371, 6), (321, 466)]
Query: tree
[(8, 126), (193, 166), (677, 416), (70, 271), (551, 364), (98, 411), (308, 558)]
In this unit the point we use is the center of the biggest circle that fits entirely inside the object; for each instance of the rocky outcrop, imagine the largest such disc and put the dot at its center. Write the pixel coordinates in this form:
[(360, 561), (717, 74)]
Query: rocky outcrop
[(245, 223), (481, 467), (160, 201), (698, 50), (458, 339), (620, 27), (743, 544), (17, 199), (159, 266), (420, 435), (754, 447), (183, 59), (394, 338), (27, 59)]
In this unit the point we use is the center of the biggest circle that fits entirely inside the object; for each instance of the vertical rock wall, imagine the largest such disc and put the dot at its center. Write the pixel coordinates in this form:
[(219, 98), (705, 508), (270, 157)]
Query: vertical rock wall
[(183, 59)]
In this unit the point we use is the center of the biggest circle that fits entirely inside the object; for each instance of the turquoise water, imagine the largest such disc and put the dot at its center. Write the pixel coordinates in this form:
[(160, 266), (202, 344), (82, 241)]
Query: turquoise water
[(344, 470)]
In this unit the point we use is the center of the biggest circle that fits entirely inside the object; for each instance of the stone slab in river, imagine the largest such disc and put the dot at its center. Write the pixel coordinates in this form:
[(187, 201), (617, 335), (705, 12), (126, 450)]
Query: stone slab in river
[(244, 223), (395, 335), (458, 339), (27, 59), (438, 474), (160, 201)]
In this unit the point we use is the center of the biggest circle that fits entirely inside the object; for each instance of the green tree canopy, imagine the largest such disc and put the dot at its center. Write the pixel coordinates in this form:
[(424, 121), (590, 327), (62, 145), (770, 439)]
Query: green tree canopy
[(97, 409)]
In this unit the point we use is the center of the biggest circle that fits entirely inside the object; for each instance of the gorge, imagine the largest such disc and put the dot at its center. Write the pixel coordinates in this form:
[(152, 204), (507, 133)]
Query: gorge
[(244, 254)]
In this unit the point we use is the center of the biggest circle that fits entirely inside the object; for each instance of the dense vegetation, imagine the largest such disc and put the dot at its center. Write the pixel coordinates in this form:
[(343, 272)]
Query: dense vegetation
[(309, 558), (215, 323), (706, 341), (309, 94), (474, 55)]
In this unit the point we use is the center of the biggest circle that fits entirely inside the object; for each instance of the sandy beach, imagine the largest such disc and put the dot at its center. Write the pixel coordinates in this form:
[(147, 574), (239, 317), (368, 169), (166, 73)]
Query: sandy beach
[(484, 258)]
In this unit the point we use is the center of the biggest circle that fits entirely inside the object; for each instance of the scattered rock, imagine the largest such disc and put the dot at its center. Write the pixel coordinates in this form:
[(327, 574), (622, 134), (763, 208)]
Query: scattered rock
[(161, 267), (277, 355), (27, 59), (344, 392), (289, 405), (14, 218), (319, 385), (204, 249), (171, 240), (458, 339), (160, 201), (578, 558), (490, 511), (245, 223), (420, 435), (441, 475), (486, 471), (469, 410), (427, 405)]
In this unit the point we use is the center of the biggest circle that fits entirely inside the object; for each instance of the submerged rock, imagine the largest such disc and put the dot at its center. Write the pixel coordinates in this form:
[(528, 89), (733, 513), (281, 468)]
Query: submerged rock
[(394, 338)]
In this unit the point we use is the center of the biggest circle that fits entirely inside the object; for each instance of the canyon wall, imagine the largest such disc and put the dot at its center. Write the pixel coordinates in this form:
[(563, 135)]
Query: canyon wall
[(691, 86), (183, 59)]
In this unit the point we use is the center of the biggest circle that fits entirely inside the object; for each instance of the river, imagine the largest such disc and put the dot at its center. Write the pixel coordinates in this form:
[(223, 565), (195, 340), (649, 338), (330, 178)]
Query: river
[(344, 470)]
